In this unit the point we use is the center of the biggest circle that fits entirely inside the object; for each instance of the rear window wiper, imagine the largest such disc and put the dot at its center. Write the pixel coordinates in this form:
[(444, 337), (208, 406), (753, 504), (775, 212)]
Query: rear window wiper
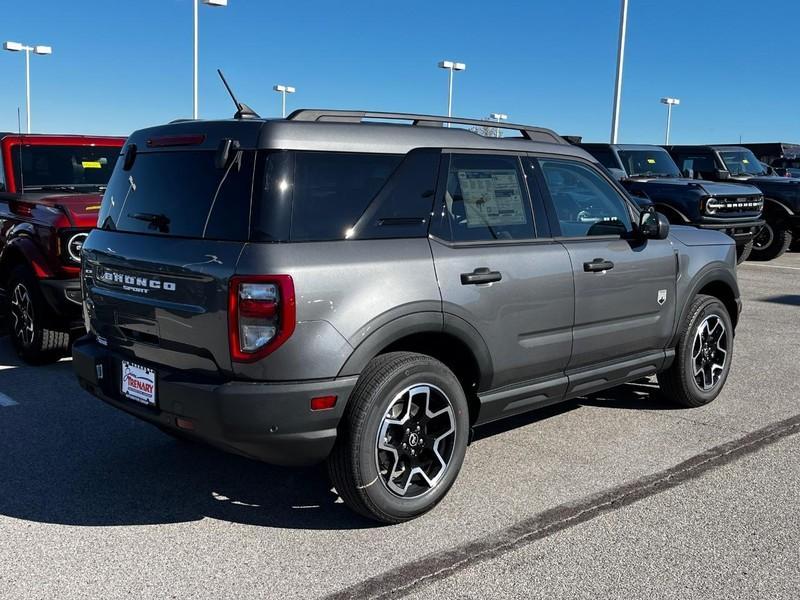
[(157, 221), (72, 188)]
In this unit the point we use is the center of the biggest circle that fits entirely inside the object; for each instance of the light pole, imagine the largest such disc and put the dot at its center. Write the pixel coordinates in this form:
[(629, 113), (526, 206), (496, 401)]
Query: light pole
[(196, 4), (498, 117), (41, 50), (451, 66), (623, 27), (670, 102), (284, 89)]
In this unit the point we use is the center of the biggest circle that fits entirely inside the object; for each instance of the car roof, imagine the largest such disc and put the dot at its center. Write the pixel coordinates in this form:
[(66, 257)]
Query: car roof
[(355, 131), (624, 146)]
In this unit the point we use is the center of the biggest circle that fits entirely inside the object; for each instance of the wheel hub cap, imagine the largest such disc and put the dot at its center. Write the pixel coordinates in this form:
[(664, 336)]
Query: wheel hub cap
[(709, 352), (415, 441)]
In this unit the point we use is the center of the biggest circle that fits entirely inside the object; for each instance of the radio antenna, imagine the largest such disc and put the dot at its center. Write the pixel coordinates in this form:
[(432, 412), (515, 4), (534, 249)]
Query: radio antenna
[(242, 110)]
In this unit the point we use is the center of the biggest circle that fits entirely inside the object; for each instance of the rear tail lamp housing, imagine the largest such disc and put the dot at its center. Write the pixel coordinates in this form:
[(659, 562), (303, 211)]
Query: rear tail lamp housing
[(261, 315)]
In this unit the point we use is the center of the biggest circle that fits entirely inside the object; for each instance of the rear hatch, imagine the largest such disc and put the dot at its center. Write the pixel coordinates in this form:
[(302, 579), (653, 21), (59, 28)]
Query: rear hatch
[(174, 220)]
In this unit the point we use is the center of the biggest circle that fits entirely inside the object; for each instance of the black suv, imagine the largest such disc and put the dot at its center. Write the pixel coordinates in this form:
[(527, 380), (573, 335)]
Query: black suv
[(331, 287), (649, 171), (737, 163)]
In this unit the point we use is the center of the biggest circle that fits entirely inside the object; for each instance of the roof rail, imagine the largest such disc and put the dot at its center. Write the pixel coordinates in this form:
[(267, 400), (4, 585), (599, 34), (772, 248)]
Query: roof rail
[(529, 132)]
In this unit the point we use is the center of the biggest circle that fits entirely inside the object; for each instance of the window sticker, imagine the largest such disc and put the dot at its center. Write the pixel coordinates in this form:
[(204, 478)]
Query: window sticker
[(745, 161), (492, 197), (651, 161), (91, 164)]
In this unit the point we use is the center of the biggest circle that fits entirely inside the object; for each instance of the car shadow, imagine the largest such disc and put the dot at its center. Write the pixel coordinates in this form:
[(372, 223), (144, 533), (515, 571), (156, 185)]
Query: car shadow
[(789, 299), (67, 458)]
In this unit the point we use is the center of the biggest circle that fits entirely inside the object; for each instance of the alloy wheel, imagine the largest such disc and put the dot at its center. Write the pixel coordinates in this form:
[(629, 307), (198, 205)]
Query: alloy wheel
[(415, 440), (22, 316), (764, 237), (709, 352)]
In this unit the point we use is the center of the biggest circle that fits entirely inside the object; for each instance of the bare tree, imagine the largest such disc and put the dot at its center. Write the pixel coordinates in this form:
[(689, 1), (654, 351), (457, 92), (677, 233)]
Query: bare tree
[(487, 131)]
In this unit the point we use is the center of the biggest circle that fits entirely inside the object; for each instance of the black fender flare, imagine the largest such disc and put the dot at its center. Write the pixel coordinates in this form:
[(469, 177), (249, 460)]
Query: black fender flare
[(772, 206), (418, 323), (22, 249), (711, 273), (674, 216)]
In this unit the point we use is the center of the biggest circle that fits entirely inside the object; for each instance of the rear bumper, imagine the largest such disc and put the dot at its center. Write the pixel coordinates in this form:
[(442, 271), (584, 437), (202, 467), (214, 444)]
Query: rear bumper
[(741, 232), (271, 422)]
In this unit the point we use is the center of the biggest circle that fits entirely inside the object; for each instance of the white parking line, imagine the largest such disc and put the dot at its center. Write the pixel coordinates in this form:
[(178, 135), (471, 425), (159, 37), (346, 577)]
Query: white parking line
[(6, 401), (771, 266)]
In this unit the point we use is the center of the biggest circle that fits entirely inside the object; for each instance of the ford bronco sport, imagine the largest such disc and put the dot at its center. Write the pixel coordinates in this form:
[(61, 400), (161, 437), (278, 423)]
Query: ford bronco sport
[(645, 170), (736, 163), (50, 193), (335, 286)]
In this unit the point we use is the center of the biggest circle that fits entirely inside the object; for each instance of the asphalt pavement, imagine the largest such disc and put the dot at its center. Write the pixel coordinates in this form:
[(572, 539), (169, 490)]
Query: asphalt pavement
[(616, 495)]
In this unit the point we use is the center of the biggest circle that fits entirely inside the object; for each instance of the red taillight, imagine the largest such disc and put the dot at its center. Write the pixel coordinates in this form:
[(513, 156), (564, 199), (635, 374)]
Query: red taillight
[(323, 403), (261, 315)]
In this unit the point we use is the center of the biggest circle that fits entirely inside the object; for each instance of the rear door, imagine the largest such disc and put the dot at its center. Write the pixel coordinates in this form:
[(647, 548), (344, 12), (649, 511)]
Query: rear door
[(501, 274), (171, 229), (624, 287)]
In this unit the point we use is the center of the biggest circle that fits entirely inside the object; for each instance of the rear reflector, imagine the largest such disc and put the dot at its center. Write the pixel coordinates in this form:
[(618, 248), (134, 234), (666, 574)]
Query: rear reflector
[(175, 140), (184, 423), (323, 402)]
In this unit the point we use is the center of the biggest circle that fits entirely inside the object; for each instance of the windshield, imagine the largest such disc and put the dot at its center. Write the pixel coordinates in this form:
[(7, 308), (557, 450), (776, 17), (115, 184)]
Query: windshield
[(651, 163), (63, 168), (742, 162)]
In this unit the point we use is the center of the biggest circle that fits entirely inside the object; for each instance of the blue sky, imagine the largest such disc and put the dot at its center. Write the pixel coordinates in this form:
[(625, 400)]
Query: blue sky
[(119, 65)]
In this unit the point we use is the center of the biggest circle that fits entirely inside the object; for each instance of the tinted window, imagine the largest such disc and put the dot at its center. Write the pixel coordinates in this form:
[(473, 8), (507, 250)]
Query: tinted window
[(699, 163), (742, 162), (652, 162), (585, 202), (486, 199), (332, 190), (403, 206), (83, 168), (605, 156), (181, 194)]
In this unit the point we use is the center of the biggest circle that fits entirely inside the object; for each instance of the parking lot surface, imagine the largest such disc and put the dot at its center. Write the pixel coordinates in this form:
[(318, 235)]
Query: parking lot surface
[(616, 495)]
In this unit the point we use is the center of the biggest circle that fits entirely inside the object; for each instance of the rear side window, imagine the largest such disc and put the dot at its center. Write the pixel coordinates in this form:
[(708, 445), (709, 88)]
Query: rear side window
[(486, 199), (699, 163), (182, 194), (332, 190)]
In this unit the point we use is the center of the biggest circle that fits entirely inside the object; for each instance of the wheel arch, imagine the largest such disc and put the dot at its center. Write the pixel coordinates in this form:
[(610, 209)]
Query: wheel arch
[(776, 207), (446, 338), (674, 216), (22, 251), (717, 282)]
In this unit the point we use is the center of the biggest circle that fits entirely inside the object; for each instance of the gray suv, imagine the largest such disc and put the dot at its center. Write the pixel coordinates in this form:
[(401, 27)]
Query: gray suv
[(365, 288)]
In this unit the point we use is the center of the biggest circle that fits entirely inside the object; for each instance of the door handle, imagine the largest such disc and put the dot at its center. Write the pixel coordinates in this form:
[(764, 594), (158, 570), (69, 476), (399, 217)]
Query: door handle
[(480, 275), (598, 265)]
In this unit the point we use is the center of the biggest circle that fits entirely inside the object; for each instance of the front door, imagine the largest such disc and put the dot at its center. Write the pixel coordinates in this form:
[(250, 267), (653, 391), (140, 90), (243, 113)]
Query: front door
[(624, 286)]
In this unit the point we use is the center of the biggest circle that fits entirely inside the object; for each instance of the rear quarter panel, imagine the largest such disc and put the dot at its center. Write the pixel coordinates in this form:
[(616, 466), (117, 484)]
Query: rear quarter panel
[(345, 291)]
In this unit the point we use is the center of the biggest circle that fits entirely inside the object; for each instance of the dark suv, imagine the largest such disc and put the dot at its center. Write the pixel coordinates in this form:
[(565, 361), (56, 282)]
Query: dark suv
[(737, 163), (650, 172), (50, 192), (326, 286)]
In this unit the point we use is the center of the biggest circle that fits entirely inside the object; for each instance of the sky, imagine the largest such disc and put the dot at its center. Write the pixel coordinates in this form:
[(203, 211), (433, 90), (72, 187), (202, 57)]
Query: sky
[(120, 65)]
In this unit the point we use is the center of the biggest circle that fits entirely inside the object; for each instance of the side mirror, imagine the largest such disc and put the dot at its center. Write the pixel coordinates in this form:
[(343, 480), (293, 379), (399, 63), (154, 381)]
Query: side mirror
[(653, 225), (618, 174), (722, 174), (688, 173)]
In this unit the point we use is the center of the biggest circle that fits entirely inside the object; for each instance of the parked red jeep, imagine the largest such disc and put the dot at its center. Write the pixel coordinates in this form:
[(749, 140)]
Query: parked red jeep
[(50, 192)]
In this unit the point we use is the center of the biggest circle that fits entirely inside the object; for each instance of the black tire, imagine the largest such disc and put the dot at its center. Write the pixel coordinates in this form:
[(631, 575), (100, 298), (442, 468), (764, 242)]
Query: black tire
[(354, 463), (679, 383), (743, 252), (29, 320), (771, 241)]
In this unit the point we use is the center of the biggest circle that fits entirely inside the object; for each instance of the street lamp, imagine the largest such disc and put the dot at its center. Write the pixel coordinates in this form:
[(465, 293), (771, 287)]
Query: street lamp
[(284, 89), (42, 51), (670, 102), (451, 66), (498, 117), (196, 4), (623, 28)]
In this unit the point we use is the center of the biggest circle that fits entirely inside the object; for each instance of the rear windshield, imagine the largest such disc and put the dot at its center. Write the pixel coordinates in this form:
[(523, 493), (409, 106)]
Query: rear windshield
[(183, 194), (63, 168)]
